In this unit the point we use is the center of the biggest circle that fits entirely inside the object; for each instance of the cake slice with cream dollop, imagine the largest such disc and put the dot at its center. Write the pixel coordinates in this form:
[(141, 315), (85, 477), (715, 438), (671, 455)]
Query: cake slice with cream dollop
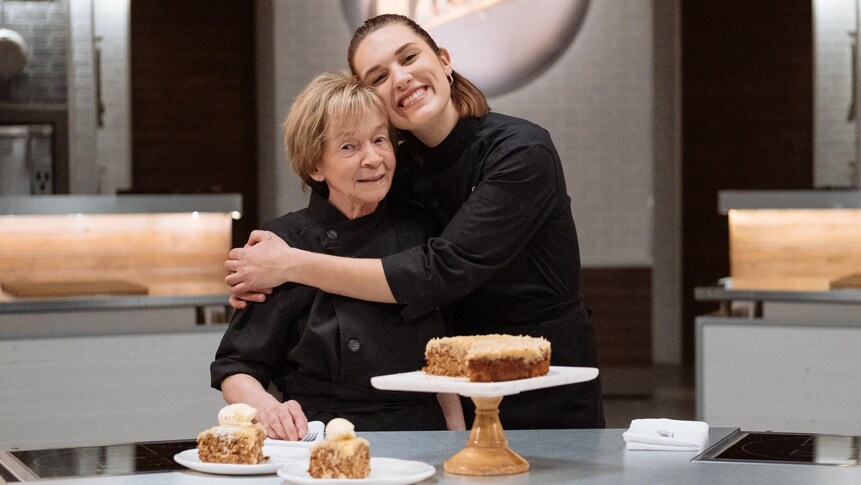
[(236, 439), (342, 454)]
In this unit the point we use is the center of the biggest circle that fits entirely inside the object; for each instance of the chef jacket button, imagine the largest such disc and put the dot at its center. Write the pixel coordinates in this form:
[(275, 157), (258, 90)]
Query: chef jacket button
[(354, 345), (332, 234)]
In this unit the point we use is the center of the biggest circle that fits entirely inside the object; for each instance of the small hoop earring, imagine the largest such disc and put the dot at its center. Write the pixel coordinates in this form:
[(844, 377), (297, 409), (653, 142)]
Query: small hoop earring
[(450, 79)]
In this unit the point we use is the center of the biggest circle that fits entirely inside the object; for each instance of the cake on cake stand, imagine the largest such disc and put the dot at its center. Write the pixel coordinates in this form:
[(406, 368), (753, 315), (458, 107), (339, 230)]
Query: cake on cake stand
[(486, 452)]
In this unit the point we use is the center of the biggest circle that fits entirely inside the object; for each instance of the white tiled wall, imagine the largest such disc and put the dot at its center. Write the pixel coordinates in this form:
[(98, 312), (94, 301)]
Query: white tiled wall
[(83, 176), (308, 38), (99, 157), (113, 138), (835, 136), (45, 29), (596, 101)]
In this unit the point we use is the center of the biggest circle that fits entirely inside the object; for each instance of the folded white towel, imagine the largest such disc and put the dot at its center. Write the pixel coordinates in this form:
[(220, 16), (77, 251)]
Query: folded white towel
[(666, 434)]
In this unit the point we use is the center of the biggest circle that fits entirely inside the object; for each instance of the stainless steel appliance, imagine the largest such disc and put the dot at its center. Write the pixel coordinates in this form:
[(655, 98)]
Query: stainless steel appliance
[(122, 459), (26, 154), (785, 448)]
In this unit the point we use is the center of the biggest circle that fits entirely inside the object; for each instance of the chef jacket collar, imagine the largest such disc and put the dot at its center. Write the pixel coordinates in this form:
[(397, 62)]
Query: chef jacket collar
[(445, 154), (326, 213)]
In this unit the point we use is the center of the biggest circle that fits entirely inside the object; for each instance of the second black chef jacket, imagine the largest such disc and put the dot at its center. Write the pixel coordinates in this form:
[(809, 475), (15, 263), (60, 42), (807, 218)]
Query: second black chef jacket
[(506, 256)]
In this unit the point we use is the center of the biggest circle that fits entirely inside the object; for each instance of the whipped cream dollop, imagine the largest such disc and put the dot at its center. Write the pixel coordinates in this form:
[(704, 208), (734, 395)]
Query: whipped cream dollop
[(340, 429), (236, 415)]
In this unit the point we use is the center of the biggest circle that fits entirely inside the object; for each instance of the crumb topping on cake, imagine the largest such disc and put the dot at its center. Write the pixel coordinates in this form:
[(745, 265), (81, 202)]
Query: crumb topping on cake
[(235, 440), (485, 358), (342, 454)]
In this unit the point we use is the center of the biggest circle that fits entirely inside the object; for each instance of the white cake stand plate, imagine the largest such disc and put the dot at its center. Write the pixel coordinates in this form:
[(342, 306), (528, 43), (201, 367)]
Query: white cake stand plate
[(486, 452)]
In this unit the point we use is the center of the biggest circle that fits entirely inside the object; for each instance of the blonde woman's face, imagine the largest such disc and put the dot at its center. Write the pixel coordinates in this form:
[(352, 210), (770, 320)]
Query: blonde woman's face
[(408, 75), (358, 165)]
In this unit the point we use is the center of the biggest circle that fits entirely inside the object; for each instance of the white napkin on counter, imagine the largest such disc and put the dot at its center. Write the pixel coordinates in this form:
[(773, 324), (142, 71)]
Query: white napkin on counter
[(666, 434), (317, 427)]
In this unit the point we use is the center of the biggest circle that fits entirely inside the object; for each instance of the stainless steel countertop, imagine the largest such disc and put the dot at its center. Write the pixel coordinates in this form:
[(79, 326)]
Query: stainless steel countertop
[(581, 457), (119, 204), (788, 199), (108, 303), (720, 293)]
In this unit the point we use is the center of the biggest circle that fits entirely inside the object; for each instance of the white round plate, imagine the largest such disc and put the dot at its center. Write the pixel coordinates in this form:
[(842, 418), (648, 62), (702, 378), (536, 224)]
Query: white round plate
[(278, 456), (384, 471)]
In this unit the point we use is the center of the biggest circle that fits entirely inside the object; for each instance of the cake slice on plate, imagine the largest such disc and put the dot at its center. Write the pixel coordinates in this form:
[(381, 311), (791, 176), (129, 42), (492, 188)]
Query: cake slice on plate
[(235, 440), (342, 454)]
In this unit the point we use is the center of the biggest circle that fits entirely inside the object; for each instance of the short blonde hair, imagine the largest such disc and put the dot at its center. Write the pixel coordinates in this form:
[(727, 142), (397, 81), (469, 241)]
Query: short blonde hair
[(331, 100)]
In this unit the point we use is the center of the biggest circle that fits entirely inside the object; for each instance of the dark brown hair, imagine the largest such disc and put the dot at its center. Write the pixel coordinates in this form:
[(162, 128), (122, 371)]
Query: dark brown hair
[(467, 98)]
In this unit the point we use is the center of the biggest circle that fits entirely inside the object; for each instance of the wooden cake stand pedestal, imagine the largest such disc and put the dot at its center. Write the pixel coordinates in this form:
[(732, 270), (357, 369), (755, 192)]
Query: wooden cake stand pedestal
[(487, 451)]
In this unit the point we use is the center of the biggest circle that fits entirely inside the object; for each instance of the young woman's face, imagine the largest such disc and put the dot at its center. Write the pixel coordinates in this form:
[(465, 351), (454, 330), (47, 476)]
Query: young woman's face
[(408, 75), (358, 165)]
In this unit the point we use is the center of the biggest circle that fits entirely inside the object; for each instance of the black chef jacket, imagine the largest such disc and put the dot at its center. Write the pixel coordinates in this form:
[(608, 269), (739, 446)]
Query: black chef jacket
[(507, 256), (322, 349)]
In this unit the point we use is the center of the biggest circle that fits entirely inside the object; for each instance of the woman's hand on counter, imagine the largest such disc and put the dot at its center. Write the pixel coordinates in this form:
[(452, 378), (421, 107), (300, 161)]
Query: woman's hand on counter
[(282, 421)]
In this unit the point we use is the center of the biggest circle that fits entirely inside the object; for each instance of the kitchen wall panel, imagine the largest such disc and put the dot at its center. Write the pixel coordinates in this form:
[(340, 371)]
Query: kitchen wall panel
[(747, 111), (193, 100), (621, 303), (107, 388)]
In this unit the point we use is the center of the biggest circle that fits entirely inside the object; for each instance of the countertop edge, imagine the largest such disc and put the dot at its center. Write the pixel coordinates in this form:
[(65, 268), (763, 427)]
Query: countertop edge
[(119, 204), (719, 293), (109, 303), (788, 199)]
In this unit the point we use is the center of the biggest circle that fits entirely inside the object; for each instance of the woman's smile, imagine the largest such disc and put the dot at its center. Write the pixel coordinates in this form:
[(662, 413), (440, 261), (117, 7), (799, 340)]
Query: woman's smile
[(376, 179), (407, 101)]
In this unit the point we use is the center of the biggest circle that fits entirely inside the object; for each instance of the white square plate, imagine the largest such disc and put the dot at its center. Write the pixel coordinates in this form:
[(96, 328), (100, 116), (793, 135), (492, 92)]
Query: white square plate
[(421, 382)]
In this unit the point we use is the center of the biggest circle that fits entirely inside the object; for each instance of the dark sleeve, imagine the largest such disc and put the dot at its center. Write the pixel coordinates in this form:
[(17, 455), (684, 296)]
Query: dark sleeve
[(257, 338), (495, 223)]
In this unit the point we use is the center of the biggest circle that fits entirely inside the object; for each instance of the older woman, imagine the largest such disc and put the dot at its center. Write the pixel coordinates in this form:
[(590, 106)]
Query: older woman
[(320, 350)]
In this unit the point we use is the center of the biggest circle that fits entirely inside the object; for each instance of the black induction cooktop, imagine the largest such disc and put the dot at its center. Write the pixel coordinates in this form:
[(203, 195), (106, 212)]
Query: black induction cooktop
[(123, 459), (785, 448)]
